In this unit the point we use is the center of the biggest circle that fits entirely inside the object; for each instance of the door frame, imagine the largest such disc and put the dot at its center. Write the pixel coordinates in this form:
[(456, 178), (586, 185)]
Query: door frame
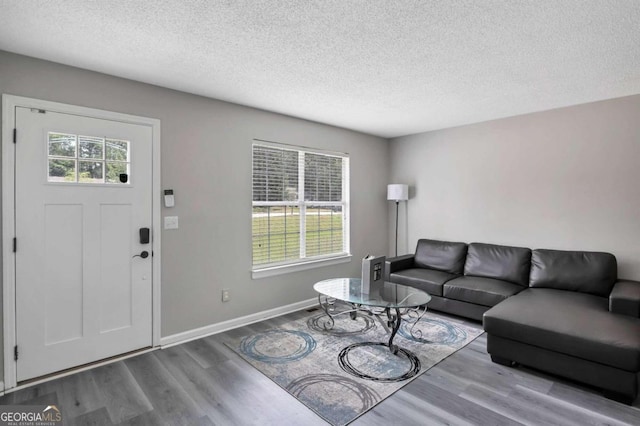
[(9, 104)]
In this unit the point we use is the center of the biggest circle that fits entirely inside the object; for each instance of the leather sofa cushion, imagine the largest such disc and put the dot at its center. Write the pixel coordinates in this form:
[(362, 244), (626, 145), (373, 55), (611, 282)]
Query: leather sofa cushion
[(570, 323), (441, 255), (481, 291), (428, 280), (583, 271), (500, 262)]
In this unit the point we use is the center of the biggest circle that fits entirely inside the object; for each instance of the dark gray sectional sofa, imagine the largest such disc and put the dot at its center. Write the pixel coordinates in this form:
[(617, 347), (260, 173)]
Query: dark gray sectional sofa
[(564, 312)]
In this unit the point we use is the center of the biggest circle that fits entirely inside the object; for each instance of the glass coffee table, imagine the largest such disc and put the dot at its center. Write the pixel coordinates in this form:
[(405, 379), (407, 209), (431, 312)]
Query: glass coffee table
[(393, 301)]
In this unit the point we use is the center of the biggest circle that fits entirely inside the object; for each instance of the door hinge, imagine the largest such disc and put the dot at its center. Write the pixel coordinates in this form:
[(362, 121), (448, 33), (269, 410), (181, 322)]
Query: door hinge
[(15, 135), (15, 245), (15, 353)]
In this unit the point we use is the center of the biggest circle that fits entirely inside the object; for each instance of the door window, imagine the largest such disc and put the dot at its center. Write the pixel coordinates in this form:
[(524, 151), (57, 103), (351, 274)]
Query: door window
[(87, 159)]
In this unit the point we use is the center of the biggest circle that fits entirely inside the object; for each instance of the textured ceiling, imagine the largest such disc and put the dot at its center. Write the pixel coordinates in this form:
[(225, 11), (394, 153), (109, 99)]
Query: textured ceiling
[(384, 67)]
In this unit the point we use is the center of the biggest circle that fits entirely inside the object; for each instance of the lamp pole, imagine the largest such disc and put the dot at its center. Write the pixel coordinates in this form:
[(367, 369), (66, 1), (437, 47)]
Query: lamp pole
[(397, 204)]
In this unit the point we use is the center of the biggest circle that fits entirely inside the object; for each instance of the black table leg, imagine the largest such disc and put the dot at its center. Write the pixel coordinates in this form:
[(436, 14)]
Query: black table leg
[(353, 314), (394, 322), (326, 309)]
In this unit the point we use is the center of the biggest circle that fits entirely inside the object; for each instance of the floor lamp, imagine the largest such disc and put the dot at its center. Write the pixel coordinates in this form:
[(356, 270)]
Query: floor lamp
[(397, 192)]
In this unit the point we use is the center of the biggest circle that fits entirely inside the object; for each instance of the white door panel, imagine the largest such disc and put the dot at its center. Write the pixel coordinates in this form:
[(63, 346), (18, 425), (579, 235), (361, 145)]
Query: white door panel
[(62, 297), (115, 281), (81, 295)]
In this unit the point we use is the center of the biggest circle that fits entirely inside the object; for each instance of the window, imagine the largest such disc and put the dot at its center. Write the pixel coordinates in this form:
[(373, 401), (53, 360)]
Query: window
[(300, 205), (86, 159)]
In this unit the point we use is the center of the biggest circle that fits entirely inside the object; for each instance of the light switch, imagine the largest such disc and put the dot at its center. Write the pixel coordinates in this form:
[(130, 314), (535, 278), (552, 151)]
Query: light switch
[(171, 222)]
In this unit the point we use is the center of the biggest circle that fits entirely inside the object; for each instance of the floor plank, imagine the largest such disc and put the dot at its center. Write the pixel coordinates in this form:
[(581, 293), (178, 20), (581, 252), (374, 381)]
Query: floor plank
[(121, 394), (198, 384), (517, 409), (461, 408), (168, 398), (99, 417), (79, 394), (206, 353)]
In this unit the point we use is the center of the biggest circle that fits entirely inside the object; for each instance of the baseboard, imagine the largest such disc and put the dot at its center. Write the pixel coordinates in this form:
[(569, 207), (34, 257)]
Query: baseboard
[(197, 333)]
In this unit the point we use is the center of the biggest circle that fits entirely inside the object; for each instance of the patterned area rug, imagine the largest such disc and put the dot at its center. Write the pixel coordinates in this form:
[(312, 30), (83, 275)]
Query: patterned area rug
[(336, 373)]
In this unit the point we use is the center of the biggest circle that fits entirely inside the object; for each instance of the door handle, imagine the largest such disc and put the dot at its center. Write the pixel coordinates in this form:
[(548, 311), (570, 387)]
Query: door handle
[(144, 254), (144, 235)]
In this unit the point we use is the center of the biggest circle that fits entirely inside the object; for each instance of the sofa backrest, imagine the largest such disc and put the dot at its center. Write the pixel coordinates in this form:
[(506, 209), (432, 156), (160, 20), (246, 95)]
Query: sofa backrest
[(583, 271), (441, 255), (500, 262)]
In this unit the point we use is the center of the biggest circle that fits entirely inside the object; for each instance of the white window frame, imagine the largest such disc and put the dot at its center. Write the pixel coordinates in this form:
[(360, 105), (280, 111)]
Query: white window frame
[(303, 262)]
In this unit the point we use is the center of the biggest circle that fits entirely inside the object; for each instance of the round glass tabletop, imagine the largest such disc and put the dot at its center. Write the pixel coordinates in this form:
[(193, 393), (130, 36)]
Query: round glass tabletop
[(385, 295)]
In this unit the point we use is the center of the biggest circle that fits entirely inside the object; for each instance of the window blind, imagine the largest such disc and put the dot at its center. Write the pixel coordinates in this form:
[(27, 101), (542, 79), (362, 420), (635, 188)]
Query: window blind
[(299, 205)]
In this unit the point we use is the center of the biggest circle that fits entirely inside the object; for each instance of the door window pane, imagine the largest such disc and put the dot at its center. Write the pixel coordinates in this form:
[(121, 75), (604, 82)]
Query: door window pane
[(91, 147), (114, 170), (62, 145), (117, 150), (62, 170), (91, 172)]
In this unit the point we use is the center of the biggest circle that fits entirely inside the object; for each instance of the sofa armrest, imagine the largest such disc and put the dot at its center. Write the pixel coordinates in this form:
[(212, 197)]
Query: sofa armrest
[(625, 298), (399, 263)]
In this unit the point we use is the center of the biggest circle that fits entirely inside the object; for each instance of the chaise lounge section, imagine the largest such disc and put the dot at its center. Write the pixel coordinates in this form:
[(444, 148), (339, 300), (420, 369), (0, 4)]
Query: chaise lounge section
[(564, 312), (570, 322)]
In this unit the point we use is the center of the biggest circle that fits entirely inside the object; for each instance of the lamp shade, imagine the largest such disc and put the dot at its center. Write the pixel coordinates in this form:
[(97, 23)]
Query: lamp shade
[(397, 192)]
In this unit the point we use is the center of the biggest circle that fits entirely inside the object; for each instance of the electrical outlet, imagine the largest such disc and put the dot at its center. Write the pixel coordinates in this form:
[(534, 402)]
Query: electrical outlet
[(226, 296)]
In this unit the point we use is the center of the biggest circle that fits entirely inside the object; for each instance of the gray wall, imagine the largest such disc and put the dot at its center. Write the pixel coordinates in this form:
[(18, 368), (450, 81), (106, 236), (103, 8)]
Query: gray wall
[(206, 160), (565, 179)]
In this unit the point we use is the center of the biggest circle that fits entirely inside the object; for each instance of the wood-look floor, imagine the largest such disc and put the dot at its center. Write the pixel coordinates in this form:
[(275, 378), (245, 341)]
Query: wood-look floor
[(205, 383)]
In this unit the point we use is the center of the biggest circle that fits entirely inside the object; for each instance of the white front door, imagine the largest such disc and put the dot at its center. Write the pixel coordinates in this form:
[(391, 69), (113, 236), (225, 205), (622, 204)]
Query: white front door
[(83, 191)]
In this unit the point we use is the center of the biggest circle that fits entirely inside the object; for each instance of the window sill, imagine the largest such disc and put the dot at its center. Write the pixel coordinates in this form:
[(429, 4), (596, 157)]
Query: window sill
[(296, 267)]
